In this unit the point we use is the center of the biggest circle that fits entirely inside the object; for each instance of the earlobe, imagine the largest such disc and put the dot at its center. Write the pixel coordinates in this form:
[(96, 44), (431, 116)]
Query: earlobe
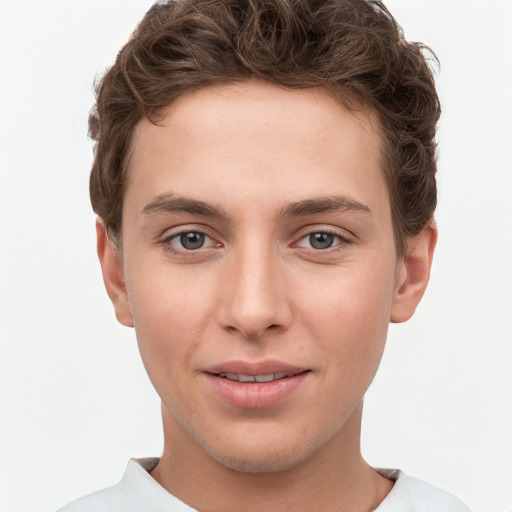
[(113, 275), (413, 274)]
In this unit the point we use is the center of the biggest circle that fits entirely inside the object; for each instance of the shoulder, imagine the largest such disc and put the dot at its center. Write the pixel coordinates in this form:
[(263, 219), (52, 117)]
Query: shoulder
[(413, 495), (110, 499), (136, 491)]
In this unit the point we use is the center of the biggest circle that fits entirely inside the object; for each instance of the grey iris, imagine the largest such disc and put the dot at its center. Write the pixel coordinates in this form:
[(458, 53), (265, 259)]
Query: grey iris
[(192, 240), (321, 240)]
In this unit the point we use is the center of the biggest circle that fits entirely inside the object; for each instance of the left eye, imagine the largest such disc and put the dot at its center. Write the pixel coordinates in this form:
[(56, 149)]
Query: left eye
[(319, 240), (189, 241)]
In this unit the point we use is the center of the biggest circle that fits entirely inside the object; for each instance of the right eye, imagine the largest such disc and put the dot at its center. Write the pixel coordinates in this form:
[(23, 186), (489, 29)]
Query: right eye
[(189, 241), (322, 240)]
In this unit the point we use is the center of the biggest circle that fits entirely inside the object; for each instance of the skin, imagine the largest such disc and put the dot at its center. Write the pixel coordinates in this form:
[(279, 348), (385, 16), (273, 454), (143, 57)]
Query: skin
[(255, 169)]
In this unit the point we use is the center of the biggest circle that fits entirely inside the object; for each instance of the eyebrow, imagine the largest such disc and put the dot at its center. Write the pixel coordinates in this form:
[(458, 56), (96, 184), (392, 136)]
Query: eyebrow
[(323, 205), (170, 203)]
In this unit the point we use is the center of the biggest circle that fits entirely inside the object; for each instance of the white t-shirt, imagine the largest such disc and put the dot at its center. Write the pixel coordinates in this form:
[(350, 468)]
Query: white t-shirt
[(139, 492)]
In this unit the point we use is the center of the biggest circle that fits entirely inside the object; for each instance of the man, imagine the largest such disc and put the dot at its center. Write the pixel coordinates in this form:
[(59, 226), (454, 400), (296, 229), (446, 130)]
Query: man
[(264, 180)]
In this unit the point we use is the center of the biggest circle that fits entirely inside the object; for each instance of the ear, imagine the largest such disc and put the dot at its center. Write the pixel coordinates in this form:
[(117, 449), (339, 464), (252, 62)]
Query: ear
[(113, 275), (413, 274)]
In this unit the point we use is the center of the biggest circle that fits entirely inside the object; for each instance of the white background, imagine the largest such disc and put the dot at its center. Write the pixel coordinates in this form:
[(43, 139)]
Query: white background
[(75, 403)]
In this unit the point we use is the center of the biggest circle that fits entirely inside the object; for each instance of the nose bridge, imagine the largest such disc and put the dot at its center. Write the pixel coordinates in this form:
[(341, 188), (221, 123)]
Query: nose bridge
[(253, 297)]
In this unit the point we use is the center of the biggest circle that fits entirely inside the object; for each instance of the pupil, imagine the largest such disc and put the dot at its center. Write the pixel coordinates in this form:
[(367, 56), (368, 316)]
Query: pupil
[(192, 240), (321, 240)]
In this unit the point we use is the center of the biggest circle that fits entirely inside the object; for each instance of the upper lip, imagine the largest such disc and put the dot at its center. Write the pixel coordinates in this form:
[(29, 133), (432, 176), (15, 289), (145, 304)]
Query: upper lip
[(257, 368)]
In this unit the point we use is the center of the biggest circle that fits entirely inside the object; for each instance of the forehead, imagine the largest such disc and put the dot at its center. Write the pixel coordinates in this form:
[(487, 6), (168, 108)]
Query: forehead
[(253, 139)]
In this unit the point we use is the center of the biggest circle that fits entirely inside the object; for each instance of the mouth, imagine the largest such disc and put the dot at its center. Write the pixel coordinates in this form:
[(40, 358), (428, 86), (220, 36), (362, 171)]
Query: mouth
[(241, 377), (262, 371), (256, 386)]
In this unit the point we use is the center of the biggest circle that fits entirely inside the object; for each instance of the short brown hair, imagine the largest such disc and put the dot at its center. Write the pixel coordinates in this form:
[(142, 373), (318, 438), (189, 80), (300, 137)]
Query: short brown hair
[(353, 48)]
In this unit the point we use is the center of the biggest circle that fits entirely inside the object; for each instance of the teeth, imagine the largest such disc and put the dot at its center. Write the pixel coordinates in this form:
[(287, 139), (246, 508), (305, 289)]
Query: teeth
[(253, 378), (265, 378)]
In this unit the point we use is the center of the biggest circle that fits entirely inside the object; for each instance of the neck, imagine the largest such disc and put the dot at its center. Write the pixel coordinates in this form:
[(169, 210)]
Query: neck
[(335, 478)]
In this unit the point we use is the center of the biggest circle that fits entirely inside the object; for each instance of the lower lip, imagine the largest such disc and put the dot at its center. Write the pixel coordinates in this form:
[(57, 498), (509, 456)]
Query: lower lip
[(255, 395)]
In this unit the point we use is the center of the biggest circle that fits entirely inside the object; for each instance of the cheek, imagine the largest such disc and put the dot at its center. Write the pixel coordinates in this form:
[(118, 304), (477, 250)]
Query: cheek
[(348, 296), (170, 313), (349, 316)]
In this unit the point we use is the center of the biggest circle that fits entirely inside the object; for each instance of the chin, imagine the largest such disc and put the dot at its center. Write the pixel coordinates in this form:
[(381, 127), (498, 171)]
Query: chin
[(259, 459)]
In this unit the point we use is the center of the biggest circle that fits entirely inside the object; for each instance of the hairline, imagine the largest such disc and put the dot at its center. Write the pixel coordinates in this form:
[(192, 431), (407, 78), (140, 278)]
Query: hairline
[(353, 102)]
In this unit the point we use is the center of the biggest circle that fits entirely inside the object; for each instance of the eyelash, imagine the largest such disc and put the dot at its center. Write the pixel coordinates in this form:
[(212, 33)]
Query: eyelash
[(166, 243), (342, 242)]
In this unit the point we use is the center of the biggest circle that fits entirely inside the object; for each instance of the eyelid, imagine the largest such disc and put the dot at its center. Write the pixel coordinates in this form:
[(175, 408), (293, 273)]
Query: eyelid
[(172, 233), (345, 237)]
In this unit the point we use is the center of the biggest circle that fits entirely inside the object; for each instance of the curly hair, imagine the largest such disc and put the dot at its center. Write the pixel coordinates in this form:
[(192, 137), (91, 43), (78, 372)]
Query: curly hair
[(352, 48)]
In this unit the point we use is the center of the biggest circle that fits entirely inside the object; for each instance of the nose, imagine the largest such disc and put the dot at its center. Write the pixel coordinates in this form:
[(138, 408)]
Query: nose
[(254, 297)]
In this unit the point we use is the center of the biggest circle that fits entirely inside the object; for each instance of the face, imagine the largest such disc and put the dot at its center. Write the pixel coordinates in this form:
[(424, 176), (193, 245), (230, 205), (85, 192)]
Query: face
[(259, 270)]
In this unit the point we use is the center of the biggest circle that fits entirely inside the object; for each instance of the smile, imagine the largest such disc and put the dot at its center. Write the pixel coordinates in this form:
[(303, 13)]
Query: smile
[(256, 386), (240, 377)]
